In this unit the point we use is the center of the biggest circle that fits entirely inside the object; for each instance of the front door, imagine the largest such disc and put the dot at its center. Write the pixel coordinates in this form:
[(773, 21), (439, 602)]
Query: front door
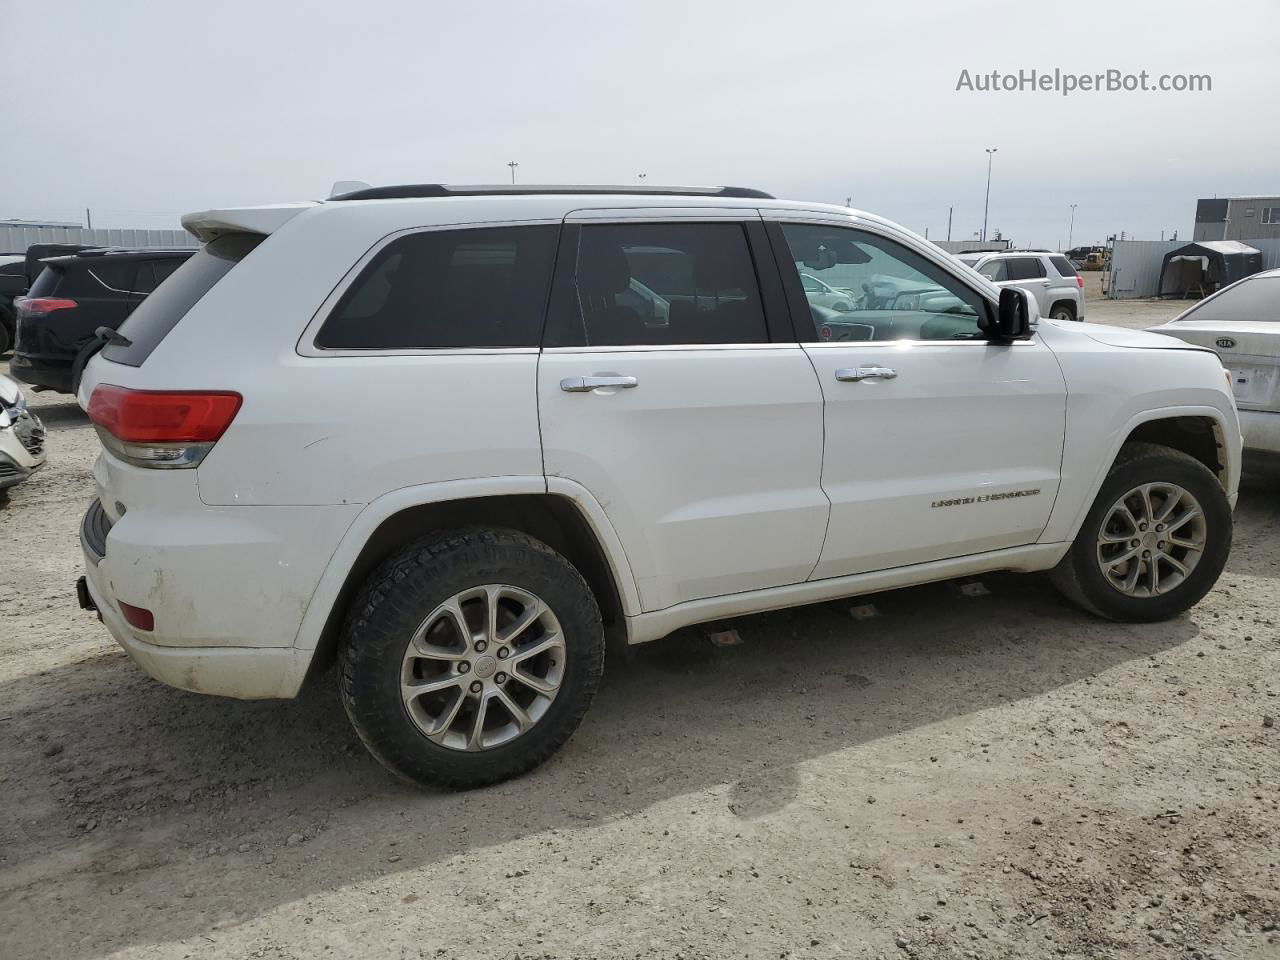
[(939, 443), (670, 390)]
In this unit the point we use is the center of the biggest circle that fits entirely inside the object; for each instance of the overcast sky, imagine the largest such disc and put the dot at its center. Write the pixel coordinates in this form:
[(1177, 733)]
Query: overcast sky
[(145, 110)]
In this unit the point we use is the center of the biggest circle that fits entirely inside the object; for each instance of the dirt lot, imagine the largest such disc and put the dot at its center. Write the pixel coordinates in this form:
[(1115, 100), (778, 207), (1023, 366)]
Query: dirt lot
[(991, 776)]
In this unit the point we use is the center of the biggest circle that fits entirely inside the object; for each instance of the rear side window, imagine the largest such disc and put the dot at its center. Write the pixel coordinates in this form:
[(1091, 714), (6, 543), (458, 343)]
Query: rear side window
[(441, 289), (1064, 267), (662, 283), (1025, 268), (161, 311), (117, 277)]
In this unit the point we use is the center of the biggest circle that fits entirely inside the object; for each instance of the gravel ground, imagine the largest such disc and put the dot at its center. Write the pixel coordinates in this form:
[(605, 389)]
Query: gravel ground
[(962, 776)]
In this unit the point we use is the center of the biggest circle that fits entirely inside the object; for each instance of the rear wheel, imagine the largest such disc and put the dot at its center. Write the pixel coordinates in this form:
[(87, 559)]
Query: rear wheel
[(1062, 311), (6, 339), (1154, 542), (471, 657)]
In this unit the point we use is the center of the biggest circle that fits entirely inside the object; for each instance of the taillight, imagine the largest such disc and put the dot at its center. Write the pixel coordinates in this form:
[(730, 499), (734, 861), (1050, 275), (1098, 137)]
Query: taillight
[(168, 429), (1080, 281), (44, 305)]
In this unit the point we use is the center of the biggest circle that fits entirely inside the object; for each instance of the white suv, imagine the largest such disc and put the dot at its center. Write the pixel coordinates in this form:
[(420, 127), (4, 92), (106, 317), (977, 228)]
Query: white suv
[(1057, 286), (429, 433)]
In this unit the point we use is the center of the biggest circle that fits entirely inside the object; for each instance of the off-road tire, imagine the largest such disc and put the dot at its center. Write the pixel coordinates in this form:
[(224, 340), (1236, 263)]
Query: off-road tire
[(1078, 575), (403, 591)]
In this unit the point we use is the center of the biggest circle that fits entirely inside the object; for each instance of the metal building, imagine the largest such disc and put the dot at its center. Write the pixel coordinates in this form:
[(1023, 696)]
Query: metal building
[(17, 235), (1238, 218)]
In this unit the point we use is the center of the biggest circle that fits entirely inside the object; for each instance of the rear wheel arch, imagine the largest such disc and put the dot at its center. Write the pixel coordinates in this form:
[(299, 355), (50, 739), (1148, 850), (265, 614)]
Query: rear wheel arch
[(1067, 305), (552, 519)]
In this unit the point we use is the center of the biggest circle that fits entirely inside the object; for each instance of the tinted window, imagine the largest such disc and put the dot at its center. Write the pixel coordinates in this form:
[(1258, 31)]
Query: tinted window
[(894, 293), (1255, 299), (1025, 268), (161, 311), (1064, 267), (46, 284), (145, 281), (448, 288), (117, 277), (662, 283)]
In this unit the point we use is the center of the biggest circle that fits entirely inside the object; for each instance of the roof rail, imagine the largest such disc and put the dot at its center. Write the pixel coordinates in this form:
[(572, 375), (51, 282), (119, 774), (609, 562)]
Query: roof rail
[(407, 190)]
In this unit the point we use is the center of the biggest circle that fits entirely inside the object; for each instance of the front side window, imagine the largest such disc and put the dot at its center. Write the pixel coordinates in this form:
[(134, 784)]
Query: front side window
[(893, 293), (442, 289), (995, 270), (645, 284)]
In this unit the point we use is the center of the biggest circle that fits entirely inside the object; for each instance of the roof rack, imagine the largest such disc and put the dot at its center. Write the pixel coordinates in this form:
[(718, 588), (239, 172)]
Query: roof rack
[(405, 191)]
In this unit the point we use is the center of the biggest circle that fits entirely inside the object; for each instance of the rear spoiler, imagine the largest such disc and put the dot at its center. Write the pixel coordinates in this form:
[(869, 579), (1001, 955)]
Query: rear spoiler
[(209, 224)]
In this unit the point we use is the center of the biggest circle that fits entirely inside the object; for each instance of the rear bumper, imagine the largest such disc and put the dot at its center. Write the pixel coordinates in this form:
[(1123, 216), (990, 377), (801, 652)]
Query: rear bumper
[(50, 376), (1261, 431), (246, 673)]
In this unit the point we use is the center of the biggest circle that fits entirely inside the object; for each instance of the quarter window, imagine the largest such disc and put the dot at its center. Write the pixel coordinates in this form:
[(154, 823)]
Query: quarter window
[(1271, 214), (441, 289), (662, 284), (893, 293)]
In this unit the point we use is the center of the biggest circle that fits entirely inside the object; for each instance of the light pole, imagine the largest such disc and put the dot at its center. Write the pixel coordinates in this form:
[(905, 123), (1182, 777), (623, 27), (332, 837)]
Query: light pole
[(1072, 227), (513, 166), (991, 151)]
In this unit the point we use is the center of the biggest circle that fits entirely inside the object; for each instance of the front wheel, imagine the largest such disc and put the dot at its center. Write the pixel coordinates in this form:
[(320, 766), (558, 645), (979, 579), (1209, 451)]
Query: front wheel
[(470, 657), (1155, 541)]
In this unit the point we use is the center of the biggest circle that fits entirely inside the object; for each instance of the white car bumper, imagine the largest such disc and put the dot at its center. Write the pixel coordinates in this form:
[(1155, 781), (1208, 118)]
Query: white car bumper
[(243, 672), (1261, 431)]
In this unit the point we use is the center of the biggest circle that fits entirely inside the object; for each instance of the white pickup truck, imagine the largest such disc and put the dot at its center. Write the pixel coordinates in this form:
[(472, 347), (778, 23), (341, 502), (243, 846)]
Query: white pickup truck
[(424, 431)]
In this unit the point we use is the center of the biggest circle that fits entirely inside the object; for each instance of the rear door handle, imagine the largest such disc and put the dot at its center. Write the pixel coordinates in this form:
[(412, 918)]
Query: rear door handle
[(587, 384), (857, 374)]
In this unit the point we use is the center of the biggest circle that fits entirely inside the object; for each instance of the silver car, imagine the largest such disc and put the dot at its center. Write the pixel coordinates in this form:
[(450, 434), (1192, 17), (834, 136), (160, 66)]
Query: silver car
[(1058, 287), (1242, 323)]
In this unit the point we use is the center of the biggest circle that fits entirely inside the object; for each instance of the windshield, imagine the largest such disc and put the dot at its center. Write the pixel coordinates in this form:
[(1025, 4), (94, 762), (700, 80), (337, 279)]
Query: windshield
[(1250, 300)]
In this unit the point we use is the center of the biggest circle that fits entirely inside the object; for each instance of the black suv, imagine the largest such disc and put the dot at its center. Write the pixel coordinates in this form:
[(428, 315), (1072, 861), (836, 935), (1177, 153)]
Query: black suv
[(72, 297)]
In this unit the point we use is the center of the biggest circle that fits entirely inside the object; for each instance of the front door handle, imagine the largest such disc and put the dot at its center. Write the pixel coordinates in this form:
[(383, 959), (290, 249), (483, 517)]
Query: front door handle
[(587, 384), (857, 374)]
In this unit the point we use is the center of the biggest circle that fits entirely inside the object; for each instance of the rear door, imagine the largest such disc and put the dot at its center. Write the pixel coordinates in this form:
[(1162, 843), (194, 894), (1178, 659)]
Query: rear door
[(700, 434), (1030, 274)]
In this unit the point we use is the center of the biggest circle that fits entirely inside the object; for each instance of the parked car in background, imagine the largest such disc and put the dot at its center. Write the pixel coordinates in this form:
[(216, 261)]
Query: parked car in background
[(423, 431), (21, 437), (824, 295), (1057, 286), (13, 284), (1241, 322), (72, 297)]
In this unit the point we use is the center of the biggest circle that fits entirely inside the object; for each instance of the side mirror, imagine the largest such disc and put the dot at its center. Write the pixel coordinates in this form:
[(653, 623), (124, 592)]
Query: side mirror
[(1013, 318)]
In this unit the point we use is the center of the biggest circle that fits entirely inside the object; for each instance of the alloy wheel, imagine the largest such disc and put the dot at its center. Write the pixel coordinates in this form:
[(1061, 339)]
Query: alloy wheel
[(483, 668), (1151, 540)]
